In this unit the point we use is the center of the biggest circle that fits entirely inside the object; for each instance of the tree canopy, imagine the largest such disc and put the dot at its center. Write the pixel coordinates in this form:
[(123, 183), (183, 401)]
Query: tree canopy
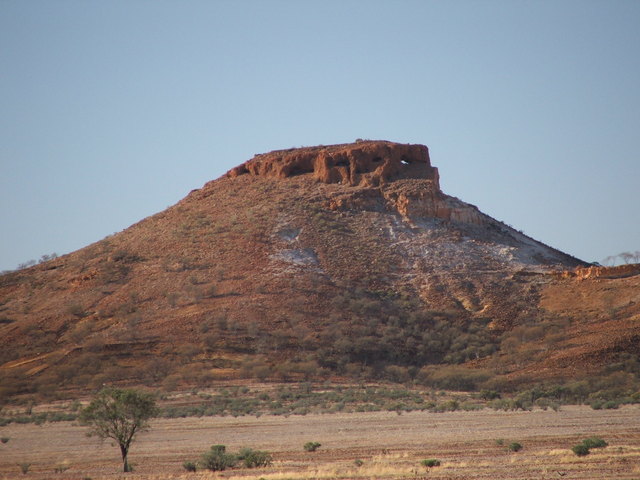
[(119, 414)]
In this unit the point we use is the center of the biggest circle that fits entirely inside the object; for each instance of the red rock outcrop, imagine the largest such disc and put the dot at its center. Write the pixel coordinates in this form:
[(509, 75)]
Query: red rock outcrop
[(398, 175), (365, 163), (620, 271), (420, 199)]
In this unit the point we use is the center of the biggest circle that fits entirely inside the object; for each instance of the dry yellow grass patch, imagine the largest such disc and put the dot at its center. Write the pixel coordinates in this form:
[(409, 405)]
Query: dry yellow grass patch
[(380, 466)]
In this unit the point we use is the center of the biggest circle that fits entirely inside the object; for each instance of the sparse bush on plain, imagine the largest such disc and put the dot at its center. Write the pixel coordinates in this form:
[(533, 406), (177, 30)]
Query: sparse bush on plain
[(510, 404), (4, 439), (430, 463), (594, 442), (587, 444), (489, 395), (24, 467), (311, 446), (217, 459), (515, 447), (189, 466), (255, 458), (580, 450)]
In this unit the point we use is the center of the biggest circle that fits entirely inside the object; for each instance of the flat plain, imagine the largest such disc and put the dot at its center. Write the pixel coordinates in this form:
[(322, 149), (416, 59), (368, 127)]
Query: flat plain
[(469, 445)]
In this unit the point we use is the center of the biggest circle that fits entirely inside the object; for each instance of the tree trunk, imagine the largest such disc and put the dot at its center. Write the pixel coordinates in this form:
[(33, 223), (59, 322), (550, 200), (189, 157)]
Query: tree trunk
[(124, 450)]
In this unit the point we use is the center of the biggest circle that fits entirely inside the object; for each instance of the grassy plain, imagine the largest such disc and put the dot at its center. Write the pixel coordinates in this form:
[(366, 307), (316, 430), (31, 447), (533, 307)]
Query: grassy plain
[(388, 445)]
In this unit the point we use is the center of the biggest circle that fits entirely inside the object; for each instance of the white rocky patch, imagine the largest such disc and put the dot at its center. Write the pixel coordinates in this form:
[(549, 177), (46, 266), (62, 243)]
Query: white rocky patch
[(303, 257)]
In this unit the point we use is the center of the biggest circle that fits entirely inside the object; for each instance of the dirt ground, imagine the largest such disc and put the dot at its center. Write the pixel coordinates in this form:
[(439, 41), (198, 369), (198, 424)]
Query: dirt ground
[(389, 446)]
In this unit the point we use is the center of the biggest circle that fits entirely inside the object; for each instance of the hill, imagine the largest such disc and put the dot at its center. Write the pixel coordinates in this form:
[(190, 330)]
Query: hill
[(344, 261)]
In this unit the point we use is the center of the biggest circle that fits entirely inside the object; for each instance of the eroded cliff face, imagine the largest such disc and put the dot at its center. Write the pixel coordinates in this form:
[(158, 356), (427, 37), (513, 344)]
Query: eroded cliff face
[(367, 163), (415, 199), (399, 176)]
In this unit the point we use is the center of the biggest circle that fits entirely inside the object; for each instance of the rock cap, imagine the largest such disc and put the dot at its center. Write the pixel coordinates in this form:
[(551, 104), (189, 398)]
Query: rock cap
[(363, 163)]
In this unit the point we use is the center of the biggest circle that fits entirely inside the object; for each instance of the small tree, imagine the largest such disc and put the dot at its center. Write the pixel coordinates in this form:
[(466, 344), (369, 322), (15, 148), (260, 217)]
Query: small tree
[(119, 414)]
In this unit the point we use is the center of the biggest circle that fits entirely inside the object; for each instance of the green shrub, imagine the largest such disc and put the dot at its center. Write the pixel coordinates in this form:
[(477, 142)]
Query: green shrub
[(500, 442), (489, 395), (189, 466), (255, 458), (311, 446), (583, 448), (430, 462), (580, 450), (510, 404), (4, 439), (596, 404), (358, 462), (594, 442), (24, 467), (515, 447), (218, 448), (217, 459)]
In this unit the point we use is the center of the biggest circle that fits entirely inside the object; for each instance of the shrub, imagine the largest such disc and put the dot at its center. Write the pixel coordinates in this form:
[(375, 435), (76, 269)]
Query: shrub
[(217, 459), (358, 462), (255, 458), (596, 404), (580, 450), (311, 446), (515, 447), (583, 448), (189, 466), (24, 467), (4, 439), (594, 442), (430, 462), (61, 467), (489, 394)]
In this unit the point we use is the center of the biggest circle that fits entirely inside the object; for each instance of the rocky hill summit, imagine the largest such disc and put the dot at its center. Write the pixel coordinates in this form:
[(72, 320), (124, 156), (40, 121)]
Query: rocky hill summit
[(391, 177), (343, 261), (366, 163)]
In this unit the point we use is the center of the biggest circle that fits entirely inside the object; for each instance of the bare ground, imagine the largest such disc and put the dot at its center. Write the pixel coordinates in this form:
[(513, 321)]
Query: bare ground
[(389, 445)]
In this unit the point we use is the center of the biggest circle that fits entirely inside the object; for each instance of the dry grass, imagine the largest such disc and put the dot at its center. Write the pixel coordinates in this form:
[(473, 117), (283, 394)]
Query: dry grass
[(389, 446)]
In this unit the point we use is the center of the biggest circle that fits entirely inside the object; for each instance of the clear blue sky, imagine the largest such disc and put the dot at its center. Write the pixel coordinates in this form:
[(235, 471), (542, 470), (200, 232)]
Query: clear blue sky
[(111, 111)]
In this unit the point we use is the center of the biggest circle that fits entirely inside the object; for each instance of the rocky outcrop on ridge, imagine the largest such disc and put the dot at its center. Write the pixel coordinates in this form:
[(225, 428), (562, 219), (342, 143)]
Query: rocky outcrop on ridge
[(620, 271), (365, 163)]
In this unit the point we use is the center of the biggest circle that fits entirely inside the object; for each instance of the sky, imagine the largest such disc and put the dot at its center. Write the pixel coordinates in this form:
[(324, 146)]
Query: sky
[(113, 111)]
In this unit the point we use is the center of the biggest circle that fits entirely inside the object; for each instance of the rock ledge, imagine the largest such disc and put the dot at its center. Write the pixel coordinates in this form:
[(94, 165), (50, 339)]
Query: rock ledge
[(364, 163)]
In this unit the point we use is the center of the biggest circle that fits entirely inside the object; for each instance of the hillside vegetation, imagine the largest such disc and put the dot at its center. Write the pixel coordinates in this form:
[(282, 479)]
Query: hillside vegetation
[(304, 274)]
